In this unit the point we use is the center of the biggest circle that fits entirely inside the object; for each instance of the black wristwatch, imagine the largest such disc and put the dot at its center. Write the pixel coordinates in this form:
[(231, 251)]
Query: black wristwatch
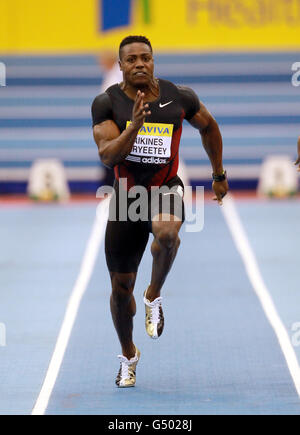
[(221, 177)]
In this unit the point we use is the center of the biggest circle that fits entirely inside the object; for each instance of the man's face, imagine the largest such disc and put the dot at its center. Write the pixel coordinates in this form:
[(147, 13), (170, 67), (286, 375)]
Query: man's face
[(137, 64)]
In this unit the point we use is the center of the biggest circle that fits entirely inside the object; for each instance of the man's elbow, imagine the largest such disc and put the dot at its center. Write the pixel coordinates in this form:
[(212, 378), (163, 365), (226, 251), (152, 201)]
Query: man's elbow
[(211, 127), (106, 159)]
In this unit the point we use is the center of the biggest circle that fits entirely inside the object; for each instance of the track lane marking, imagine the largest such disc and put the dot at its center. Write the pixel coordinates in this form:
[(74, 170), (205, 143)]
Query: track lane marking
[(244, 248), (85, 273)]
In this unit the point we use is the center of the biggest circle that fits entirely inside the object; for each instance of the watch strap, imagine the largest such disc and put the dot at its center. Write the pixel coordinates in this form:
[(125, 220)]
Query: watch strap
[(221, 177)]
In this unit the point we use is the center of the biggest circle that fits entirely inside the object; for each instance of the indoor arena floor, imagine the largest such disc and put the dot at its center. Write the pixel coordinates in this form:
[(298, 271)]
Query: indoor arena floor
[(231, 343)]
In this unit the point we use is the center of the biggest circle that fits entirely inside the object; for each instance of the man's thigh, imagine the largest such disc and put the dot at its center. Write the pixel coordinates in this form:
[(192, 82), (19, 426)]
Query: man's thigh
[(125, 243), (166, 202)]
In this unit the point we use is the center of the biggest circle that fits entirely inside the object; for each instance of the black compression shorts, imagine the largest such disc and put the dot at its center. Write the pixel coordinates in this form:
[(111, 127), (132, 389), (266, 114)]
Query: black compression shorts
[(128, 228)]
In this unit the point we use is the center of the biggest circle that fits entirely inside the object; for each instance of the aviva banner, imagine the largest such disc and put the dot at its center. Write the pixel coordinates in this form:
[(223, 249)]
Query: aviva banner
[(178, 25)]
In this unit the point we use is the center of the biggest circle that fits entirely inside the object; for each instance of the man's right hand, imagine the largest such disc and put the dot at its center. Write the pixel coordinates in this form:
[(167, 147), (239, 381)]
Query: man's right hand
[(297, 162), (139, 111)]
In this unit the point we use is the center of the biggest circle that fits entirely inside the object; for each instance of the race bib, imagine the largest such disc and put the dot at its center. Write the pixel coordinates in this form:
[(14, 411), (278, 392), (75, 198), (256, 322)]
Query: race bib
[(152, 144)]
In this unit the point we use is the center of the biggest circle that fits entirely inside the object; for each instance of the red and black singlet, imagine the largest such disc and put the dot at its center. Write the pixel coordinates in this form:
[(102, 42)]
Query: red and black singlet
[(154, 158)]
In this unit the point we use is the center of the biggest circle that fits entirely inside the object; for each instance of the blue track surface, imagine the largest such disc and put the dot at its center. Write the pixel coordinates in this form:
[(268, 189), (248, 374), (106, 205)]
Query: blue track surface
[(218, 353)]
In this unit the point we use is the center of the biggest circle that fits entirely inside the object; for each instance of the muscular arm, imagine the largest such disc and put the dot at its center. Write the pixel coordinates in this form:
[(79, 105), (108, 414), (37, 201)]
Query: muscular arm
[(211, 137), (212, 142), (114, 147)]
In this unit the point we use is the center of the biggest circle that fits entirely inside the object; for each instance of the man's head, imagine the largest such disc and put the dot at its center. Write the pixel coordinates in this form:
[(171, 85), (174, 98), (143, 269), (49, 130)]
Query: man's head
[(134, 39), (136, 60)]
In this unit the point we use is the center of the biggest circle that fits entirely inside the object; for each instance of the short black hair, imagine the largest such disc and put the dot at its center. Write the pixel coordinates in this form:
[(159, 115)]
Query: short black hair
[(134, 38)]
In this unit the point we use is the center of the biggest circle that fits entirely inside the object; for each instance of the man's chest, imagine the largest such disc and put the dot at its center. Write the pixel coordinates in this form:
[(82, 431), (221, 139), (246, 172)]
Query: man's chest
[(164, 111)]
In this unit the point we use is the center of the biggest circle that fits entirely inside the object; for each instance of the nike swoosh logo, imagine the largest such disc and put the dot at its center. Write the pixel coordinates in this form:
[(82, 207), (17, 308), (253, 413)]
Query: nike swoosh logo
[(163, 105)]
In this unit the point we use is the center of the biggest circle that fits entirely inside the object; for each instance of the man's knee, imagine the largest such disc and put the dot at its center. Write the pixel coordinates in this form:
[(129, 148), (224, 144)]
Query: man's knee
[(168, 238), (122, 284)]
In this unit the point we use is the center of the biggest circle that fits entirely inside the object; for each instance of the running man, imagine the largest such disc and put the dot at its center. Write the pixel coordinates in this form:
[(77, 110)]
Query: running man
[(125, 118), (297, 162)]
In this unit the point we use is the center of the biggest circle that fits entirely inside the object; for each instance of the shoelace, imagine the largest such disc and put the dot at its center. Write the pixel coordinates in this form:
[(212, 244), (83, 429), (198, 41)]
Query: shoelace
[(125, 364), (155, 312)]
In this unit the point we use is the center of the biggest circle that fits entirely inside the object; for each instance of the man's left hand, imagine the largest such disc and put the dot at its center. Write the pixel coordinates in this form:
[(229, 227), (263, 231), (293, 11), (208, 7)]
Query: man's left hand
[(220, 189)]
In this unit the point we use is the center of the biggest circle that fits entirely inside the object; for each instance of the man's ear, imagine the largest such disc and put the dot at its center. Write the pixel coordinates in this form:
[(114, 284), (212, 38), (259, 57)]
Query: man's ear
[(120, 65)]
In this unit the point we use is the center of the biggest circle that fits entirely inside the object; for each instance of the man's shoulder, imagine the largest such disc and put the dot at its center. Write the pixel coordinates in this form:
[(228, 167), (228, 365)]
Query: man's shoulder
[(181, 90), (187, 94), (101, 99), (106, 96), (163, 83), (101, 108), (113, 88)]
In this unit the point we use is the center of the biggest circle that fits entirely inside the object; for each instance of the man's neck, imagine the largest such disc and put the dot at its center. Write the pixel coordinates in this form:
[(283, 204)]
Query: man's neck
[(151, 91)]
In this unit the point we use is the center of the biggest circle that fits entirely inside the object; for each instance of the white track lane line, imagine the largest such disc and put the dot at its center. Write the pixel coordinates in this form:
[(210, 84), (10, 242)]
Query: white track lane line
[(80, 286), (243, 246)]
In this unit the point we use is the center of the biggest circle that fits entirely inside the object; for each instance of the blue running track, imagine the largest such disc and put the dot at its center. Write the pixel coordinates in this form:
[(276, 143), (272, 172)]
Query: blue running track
[(218, 354)]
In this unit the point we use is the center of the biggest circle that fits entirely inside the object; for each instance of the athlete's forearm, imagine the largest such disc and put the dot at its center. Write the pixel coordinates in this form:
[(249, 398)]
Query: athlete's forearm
[(113, 152), (213, 145)]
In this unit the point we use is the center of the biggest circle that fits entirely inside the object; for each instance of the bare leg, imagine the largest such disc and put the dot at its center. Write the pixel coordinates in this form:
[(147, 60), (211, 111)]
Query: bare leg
[(164, 249), (123, 309)]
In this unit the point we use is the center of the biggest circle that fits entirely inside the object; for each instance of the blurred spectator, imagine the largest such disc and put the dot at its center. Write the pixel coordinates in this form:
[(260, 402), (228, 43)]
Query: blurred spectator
[(110, 69), (298, 159)]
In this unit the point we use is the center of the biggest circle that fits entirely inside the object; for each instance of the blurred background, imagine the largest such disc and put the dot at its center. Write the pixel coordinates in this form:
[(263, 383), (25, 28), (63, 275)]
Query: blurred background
[(58, 55)]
